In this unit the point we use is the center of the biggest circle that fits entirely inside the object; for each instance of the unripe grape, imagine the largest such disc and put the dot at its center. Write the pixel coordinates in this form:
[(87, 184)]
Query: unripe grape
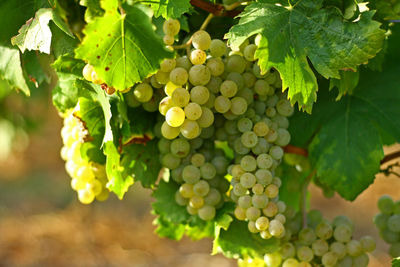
[(179, 76), (249, 52), (208, 171), (288, 251), (305, 253), (247, 180), (168, 39), (320, 247), (236, 63), (169, 132), (238, 105), (329, 259), (213, 197), (307, 236), (394, 250), (183, 62), (368, 243), (217, 48), (193, 111), (393, 223), (199, 94), (354, 248), (191, 174), (206, 213), (199, 75), (361, 260), (201, 40), (206, 119), (190, 129), (324, 230), (338, 248), (171, 27), (216, 66), (342, 233)]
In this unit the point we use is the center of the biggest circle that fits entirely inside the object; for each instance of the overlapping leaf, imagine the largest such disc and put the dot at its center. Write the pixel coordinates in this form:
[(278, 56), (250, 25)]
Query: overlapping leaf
[(126, 49), (35, 34), (345, 138), (170, 8), (292, 35)]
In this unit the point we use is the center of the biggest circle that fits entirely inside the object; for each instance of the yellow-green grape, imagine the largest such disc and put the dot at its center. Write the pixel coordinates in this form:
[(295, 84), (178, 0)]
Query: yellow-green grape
[(262, 223), (222, 104), (167, 65), (180, 200), (217, 48), (196, 202), (183, 62), (86, 196), (329, 259), (368, 243), (95, 186), (169, 132), (175, 117), (168, 39), (271, 209), (238, 105), (199, 94), (320, 247), (305, 253), (206, 212), (162, 77), (252, 227), (95, 78), (180, 97), (253, 213), (87, 72), (190, 210), (77, 184), (198, 56), (206, 119), (338, 248), (186, 190), (171, 27), (165, 104), (170, 88), (236, 63), (199, 75), (228, 88), (249, 52), (273, 259), (240, 213), (190, 129), (354, 248), (143, 92), (216, 66), (104, 194), (290, 263), (193, 111), (201, 40), (179, 76)]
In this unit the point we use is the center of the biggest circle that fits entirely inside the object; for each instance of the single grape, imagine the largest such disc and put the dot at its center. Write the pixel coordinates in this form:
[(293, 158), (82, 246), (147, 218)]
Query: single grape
[(329, 259), (217, 48), (238, 105), (271, 191), (393, 223), (180, 200), (169, 132), (273, 259), (208, 171), (342, 233), (196, 202), (213, 197), (249, 139), (179, 76), (271, 209), (320, 247), (368, 243), (167, 65), (216, 66), (171, 27), (354, 248), (190, 129), (199, 94), (324, 230), (143, 92), (228, 88), (180, 147), (361, 260), (259, 201), (305, 253), (253, 213), (86, 196), (394, 250), (198, 57), (180, 97), (240, 213), (236, 63), (307, 236), (193, 111), (199, 75), (262, 223), (206, 213), (191, 174), (249, 52), (170, 161), (175, 117), (168, 39), (87, 72), (201, 40), (338, 248), (287, 251)]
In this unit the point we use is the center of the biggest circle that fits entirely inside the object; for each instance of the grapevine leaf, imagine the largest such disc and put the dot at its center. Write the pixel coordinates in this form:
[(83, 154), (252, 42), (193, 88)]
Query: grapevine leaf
[(170, 8), (120, 52), (117, 182), (140, 162), (346, 138), (386, 10), (93, 9), (165, 204), (346, 84), (291, 35), (396, 262), (35, 34), (14, 13), (238, 242), (168, 229), (64, 43), (33, 69), (10, 69)]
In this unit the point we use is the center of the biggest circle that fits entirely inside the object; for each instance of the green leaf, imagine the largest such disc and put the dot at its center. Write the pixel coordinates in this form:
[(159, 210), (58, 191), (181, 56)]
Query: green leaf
[(35, 34), (293, 35), (170, 8), (93, 9), (346, 84), (386, 10), (396, 262), (346, 137), (168, 229), (140, 161), (238, 242), (126, 50), (33, 69), (117, 182), (10, 69)]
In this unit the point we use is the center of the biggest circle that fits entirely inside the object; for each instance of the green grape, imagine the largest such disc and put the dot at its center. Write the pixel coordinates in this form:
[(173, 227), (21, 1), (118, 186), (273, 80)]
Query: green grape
[(259, 201), (196, 202), (175, 117), (247, 94), (244, 202), (304, 264), (380, 220), (273, 259), (222, 104), (193, 111), (180, 200), (206, 119), (354, 248), (283, 137), (252, 227), (213, 197), (307, 236), (197, 159), (167, 65), (282, 121), (338, 248), (171, 27), (190, 129), (170, 161), (201, 188), (281, 207), (214, 84), (87, 72), (396, 209), (208, 171), (247, 180), (361, 260), (368, 243), (389, 236), (183, 62), (271, 191), (261, 148), (264, 161), (217, 48), (341, 219), (249, 79), (191, 174), (270, 112), (320, 247), (261, 128), (288, 251), (324, 230), (290, 263), (170, 87), (238, 105), (276, 228), (198, 57), (169, 132), (154, 83), (393, 223), (165, 104), (253, 213), (239, 189), (240, 148), (240, 213), (248, 163), (236, 63), (180, 147), (305, 253), (342, 233), (244, 124), (258, 189), (345, 262), (394, 250), (249, 52), (176, 174), (191, 211), (206, 212), (168, 39), (284, 108), (329, 259), (270, 210), (276, 152), (216, 66), (262, 223), (180, 97), (162, 77), (201, 40), (186, 190), (249, 139), (265, 234), (179, 76), (199, 95), (261, 87), (228, 88)]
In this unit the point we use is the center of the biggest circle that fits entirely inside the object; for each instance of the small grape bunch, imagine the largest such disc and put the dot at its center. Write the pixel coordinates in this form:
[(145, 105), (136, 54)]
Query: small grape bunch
[(388, 223), (88, 178), (322, 243)]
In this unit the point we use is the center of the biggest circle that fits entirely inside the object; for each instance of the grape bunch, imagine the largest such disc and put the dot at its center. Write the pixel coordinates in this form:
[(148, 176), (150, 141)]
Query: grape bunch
[(88, 178), (388, 223), (322, 243)]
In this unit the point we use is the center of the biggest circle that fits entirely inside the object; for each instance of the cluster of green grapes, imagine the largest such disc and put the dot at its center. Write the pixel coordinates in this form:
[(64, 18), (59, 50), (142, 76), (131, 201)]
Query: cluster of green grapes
[(322, 243), (388, 223), (88, 178)]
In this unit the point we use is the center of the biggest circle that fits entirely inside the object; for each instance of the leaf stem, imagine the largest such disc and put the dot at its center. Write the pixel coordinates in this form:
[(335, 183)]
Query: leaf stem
[(303, 198)]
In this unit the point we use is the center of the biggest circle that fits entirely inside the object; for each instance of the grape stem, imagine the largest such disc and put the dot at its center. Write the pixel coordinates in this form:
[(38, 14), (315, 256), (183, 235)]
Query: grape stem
[(303, 198), (217, 9)]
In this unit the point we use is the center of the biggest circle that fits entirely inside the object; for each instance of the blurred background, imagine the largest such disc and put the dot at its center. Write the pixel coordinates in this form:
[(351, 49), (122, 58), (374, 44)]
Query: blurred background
[(43, 224)]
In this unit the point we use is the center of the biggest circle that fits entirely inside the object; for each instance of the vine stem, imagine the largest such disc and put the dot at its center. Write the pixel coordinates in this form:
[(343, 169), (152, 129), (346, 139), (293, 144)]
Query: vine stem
[(303, 198), (217, 9)]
